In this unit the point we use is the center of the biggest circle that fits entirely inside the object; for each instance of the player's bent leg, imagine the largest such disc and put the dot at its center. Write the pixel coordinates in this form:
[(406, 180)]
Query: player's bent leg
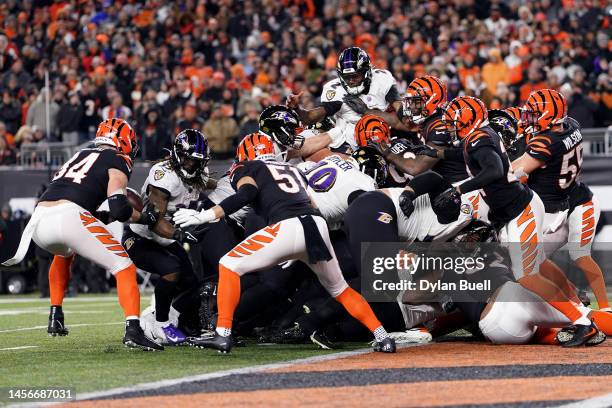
[(582, 224), (59, 276)]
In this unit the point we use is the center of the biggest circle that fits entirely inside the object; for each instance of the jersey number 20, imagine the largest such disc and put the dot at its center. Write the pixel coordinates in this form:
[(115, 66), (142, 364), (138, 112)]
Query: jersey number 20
[(77, 171)]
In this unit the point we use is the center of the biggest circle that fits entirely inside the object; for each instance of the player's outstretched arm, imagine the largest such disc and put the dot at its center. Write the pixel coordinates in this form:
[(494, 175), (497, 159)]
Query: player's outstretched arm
[(311, 145), (525, 165), (491, 170), (415, 165)]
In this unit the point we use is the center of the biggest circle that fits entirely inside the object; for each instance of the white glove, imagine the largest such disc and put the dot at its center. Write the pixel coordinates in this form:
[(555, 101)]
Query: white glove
[(186, 217)]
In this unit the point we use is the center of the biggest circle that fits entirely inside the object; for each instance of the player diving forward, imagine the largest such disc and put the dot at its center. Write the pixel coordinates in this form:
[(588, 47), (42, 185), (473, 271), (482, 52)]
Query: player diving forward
[(65, 223), (295, 231)]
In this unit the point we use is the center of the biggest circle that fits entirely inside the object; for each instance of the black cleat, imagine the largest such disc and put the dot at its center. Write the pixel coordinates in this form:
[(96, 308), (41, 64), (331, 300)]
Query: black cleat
[(385, 346), (220, 343), (56, 322), (135, 338), (293, 335), (321, 340), (580, 334)]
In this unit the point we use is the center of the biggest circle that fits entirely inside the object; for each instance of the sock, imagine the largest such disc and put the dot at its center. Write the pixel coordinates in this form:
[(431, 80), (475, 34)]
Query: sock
[(127, 291), (552, 294), (228, 296), (59, 275), (545, 335), (594, 275), (357, 307), (164, 293), (380, 333), (223, 331), (603, 320), (552, 272), (56, 311)]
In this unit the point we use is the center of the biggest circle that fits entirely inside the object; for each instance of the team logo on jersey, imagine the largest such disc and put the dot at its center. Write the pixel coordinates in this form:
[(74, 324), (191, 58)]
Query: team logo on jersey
[(466, 209), (330, 94), (158, 174), (384, 217), (128, 243)]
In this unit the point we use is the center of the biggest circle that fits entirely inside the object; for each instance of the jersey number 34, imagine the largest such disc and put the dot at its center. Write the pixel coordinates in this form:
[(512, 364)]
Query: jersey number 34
[(77, 171)]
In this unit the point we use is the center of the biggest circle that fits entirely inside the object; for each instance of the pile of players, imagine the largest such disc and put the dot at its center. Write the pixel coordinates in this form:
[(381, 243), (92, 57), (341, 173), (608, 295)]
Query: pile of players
[(371, 166)]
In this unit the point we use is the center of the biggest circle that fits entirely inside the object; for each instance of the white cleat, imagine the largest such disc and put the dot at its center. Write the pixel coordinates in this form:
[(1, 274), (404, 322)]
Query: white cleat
[(416, 335)]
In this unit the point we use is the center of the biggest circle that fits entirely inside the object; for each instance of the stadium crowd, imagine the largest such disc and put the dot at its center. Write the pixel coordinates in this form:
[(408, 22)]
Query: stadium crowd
[(213, 65)]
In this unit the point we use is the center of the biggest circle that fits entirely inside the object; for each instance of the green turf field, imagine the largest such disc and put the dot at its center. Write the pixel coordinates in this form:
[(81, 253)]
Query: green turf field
[(93, 358)]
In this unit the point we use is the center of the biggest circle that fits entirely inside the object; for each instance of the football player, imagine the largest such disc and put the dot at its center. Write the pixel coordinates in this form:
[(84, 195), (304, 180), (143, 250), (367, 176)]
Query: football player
[(515, 206), (295, 231), (173, 183), (357, 80), (65, 223), (553, 161)]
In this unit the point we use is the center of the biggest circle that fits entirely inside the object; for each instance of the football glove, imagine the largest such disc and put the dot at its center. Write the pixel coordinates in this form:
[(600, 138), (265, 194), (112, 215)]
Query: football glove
[(104, 216), (184, 236), (406, 203), (355, 103), (149, 216), (186, 217), (424, 150)]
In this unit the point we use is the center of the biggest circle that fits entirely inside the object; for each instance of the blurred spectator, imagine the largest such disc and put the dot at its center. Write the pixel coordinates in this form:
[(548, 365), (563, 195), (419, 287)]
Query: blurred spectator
[(10, 112), (37, 114), (221, 131), (68, 119), (24, 136), (190, 119), (154, 136), (90, 118), (7, 153), (8, 138), (250, 122), (116, 109), (495, 71)]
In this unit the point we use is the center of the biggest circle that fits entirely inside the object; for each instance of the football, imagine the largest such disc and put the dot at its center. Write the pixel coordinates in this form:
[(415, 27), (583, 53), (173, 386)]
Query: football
[(134, 199)]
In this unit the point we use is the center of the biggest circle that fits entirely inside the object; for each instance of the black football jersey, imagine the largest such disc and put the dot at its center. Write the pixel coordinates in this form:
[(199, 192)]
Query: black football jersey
[(281, 189), (506, 196), (84, 178), (578, 195), (562, 157), (434, 132)]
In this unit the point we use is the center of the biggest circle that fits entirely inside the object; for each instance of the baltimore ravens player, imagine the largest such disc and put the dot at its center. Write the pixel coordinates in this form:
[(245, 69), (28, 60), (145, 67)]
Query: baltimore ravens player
[(357, 79), (295, 231), (513, 205), (173, 183), (65, 223), (553, 162)]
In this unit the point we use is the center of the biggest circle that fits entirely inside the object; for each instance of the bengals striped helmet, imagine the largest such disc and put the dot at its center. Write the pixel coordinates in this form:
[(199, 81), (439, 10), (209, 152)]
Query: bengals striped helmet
[(515, 112), (424, 95), (464, 115), (119, 134), (255, 146), (544, 109), (371, 127)]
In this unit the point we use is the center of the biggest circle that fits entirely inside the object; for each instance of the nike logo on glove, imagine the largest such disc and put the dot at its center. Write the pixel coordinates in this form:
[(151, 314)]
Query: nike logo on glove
[(475, 143)]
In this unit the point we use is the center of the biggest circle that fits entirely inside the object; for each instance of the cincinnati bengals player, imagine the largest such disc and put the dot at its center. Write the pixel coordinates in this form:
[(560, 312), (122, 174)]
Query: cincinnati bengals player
[(295, 231), (553, 162), (512, 204), (65, 222)]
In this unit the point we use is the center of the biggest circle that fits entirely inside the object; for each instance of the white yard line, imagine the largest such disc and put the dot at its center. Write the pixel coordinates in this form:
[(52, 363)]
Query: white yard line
[(45, 311), (8, 300), (603, 401), (18, 348), (69, 326), (225, 373)]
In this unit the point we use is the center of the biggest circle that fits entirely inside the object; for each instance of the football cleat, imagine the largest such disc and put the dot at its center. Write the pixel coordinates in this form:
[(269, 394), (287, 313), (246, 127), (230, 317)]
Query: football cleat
[(220, 343), (135, 338), (580, 334), (387, 345), (321, 340), (293, 335), (56, 322), (415, 335)]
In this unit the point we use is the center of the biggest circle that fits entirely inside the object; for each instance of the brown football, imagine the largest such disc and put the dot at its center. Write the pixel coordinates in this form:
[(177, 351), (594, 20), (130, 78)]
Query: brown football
[(134, 199)]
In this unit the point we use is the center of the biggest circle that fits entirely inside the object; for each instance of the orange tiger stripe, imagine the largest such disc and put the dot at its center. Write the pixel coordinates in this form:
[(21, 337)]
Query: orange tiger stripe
[(107, 239), (95, 229), (262, 238), (525, 216), (87, 218), (233, 254), (240, 249), (116, 248), (251, 245), (529, 229)]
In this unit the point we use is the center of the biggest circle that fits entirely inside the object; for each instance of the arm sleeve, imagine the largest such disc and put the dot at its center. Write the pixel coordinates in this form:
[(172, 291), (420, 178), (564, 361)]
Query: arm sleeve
[(331, 108), (429, 182), (541, 148), (246, 193), (393, 94), (453, 154), (491, 169)]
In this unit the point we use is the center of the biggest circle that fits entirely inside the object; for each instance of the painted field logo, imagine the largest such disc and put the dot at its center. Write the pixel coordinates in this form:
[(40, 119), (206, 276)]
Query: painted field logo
[(384, 217)]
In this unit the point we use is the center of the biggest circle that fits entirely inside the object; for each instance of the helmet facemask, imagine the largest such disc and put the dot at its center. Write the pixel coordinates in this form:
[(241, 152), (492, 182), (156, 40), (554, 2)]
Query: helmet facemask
[(414, 109)]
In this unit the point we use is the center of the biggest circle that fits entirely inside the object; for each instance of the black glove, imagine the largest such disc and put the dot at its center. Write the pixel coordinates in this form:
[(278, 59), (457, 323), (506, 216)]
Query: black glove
[(381, 147), (149, 216), (400, 146), (406, 203), (447, 205), (104, 216), (183, 236), (355, 103), (424, 150)]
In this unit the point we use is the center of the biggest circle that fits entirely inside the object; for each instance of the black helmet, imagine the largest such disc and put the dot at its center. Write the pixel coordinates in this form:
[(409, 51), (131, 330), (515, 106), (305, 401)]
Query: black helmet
[(190, 154), (354, 70), (370, 162), (283, 125), (506, 127)]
